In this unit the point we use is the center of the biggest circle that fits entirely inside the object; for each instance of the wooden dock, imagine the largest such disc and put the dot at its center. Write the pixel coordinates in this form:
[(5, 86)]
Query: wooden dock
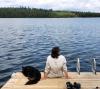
[(88, 80)]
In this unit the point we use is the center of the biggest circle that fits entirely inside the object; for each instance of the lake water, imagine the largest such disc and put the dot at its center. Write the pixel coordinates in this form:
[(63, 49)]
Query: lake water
[(28, 41)]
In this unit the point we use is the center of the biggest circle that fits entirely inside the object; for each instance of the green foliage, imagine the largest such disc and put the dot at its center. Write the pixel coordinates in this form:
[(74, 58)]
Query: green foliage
[(24, 12), (64, 14)]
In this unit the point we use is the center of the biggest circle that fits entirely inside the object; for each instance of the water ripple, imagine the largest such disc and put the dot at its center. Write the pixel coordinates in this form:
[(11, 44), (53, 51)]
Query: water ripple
[(29, 41)]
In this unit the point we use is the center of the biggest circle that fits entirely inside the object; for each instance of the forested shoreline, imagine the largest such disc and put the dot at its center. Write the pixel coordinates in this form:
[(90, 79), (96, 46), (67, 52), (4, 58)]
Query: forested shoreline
[(23, 12)]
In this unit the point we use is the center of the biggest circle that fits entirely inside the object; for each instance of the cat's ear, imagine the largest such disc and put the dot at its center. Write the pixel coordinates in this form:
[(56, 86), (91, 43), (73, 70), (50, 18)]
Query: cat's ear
[(23, 67)]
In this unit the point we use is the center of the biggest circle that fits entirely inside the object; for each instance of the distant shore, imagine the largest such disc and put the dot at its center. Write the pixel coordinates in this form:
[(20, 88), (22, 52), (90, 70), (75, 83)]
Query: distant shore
[(23, 12)]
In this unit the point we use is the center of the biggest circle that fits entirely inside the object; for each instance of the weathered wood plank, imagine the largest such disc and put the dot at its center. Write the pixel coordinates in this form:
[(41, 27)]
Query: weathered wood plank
[(87, 80)]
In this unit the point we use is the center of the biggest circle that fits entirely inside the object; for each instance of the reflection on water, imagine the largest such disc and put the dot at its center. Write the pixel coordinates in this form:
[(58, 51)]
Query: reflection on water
[(29, 41)]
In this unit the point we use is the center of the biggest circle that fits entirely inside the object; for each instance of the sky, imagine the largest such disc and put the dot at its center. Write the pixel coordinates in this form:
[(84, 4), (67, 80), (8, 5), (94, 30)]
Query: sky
[(73, 5)]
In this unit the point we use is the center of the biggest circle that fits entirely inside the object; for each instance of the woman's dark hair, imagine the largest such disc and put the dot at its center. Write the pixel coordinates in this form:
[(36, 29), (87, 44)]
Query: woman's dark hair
[(55, 52)]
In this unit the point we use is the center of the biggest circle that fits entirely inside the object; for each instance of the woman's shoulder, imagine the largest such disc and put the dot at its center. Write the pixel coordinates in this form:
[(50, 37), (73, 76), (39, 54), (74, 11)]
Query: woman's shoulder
[(61, 56), (49, 57)]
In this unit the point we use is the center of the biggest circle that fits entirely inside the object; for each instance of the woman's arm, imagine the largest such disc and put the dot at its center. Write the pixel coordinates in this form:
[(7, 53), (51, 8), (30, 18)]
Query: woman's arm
[(45, 75), (47, 69), (65, 68), (65, 74)]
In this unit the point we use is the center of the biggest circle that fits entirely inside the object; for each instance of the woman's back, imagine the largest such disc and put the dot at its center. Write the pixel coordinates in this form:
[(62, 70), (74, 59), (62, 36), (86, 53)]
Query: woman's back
[(56, 66)]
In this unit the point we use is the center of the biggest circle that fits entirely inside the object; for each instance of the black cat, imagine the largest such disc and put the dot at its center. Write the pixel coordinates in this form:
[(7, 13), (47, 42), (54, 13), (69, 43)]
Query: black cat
[(32, 73)]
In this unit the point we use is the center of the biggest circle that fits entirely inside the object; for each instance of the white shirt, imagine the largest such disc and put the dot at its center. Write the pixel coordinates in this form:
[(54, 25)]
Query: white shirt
[(55, 66)]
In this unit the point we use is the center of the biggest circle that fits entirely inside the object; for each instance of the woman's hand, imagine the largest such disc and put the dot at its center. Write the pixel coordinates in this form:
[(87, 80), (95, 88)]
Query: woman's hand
[(45, 75)]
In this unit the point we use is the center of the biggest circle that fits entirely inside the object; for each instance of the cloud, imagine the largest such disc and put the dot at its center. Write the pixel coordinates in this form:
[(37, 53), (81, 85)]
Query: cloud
[(79, 5)]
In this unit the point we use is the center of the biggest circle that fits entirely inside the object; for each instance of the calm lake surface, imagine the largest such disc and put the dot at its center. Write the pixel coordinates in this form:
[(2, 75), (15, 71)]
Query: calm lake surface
[(29, 41)]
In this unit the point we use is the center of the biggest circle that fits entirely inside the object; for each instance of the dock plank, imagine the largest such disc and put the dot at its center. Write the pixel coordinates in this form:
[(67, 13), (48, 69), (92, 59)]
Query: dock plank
[(87, 80)]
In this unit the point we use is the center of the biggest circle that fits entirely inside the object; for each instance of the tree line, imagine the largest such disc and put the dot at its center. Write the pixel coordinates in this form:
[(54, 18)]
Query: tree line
[(23, 12)]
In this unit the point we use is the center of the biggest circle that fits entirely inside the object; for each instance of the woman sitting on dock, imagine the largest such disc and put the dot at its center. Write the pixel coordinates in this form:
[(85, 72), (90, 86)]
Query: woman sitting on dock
[(55, 65)]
